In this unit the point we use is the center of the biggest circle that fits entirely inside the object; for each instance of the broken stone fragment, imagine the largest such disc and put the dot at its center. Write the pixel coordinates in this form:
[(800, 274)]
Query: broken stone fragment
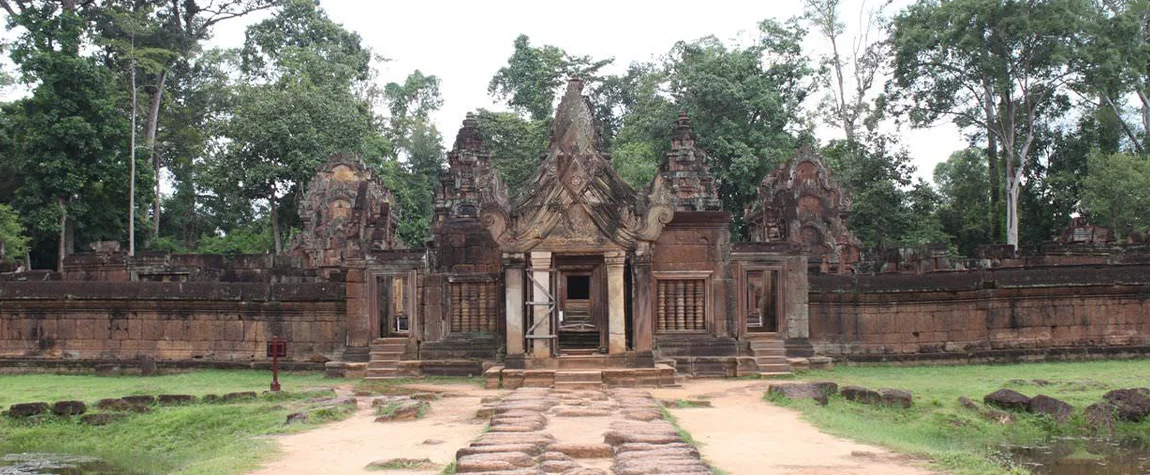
[(860, 395), (1057, 410), (818, 391), (140, 400), (897, 398), (69, 408), (175, 399), (102, 419), (582, 451), (27, 409), (113, 404), (239, 396), (1132, 404), (1008, 399)]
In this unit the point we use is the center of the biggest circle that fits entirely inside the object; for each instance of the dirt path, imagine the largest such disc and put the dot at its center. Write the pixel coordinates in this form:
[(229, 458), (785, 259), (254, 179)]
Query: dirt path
[(743, 435), (349, 445)]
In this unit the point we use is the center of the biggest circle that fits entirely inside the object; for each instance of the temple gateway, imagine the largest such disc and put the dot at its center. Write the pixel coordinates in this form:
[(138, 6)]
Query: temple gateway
[(580, 280), (580, 271)]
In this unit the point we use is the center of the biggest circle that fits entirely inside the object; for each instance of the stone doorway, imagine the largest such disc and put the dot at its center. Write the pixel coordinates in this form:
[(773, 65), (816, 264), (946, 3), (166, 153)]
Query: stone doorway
[(581, 300), (394, 306), (761, 300)]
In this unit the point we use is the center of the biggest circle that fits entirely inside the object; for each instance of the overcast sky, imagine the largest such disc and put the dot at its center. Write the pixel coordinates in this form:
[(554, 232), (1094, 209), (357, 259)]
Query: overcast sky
[(465, 43)]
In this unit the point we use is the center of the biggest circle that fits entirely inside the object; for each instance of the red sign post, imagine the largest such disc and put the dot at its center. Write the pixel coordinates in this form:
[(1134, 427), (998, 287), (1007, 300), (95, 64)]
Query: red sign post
[(277, 348)]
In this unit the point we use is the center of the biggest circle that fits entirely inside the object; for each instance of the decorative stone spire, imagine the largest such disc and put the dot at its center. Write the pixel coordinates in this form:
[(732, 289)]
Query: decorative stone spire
[(685, 168), (458, 193)]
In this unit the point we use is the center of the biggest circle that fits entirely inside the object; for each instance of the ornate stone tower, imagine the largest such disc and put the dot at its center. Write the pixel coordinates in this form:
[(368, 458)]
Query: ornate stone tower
[(800, 203), (685, 170), (346, 213)]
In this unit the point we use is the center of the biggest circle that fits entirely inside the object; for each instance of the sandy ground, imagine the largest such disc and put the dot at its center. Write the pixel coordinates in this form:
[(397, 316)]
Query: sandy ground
[(743, 435), (349, 445)]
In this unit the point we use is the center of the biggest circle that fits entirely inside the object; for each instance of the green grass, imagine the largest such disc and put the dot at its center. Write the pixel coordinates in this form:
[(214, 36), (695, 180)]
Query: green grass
[(199, 438), (958, 439)]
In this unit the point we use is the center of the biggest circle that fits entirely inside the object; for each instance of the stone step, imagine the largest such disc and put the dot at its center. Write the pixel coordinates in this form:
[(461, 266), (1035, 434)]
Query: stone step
[(773, 374), (581, 362), (384, 365), (386, 355), (577, 385), (379, 378), (391, 339), (388, 347), (771, 360), (779, 352), (578, 377), (775, 368), (767, 344)]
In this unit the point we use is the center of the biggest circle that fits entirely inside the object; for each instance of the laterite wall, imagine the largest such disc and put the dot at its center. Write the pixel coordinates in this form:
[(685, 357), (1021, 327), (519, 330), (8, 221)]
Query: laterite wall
[(998, 314), (205, 322)]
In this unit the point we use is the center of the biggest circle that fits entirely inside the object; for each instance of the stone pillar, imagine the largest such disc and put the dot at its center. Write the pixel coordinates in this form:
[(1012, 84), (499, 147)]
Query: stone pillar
[(541, 347), (616, 310), (513, 291), (643, 319)]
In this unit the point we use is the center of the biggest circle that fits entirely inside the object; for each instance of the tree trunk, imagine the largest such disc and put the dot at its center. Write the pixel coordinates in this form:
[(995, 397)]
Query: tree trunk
[(150, 143), (275, 223), (132, 172), (61, 244), (992, 170), (1012, 191)]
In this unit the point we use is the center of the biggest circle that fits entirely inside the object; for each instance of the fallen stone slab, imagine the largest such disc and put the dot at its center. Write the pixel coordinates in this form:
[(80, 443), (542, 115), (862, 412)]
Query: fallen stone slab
[(645, 415), (535, 406), (620, 438), (101, 419), (554, 456), (425, 396), (175, 399), (240, 396), (528, 449), (69, 408), (493, 462), (666, 451), (860, 395), (297, 417), (580, 412), (113, 404), (897, 397), (819, 391), (1100, 418), (504, 438), (582, 451), (1008, 399), (141, 400), (559, 466), (643, 447), (1131, 404), (1057, 410), (27, 409), (514, 428)]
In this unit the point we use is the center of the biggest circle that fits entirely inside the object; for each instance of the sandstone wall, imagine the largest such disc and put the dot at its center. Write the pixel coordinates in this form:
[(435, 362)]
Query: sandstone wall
[(171, 321), (999, 314)]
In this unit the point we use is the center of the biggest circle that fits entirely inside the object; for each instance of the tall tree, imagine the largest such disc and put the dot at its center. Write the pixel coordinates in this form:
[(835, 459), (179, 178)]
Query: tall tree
[(533, 75), (1000, 66), (299, 105), (1115, 192), (69, 135)]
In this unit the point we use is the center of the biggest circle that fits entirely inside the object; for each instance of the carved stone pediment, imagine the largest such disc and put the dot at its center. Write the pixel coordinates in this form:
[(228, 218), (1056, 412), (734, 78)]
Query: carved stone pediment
[(346, 213), (577, 200), (801, 203)]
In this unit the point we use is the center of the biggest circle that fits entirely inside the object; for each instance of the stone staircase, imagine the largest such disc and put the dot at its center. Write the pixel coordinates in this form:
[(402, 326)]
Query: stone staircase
[(770, 354), (385, 356)]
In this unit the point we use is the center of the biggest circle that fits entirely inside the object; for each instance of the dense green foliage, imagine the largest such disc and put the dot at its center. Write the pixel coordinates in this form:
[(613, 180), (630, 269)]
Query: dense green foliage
[(234, 135)]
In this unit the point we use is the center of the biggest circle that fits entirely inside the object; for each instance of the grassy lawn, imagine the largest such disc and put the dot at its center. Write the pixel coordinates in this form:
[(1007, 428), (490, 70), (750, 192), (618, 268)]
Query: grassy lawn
[(199, 438), (958, 439)]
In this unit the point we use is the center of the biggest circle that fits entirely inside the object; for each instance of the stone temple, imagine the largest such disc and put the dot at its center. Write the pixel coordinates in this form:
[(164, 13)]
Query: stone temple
[(581, 279)]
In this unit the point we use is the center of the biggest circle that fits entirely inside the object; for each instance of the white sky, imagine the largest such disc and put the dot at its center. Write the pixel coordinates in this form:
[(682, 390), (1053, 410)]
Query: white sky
[(465, 43)]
